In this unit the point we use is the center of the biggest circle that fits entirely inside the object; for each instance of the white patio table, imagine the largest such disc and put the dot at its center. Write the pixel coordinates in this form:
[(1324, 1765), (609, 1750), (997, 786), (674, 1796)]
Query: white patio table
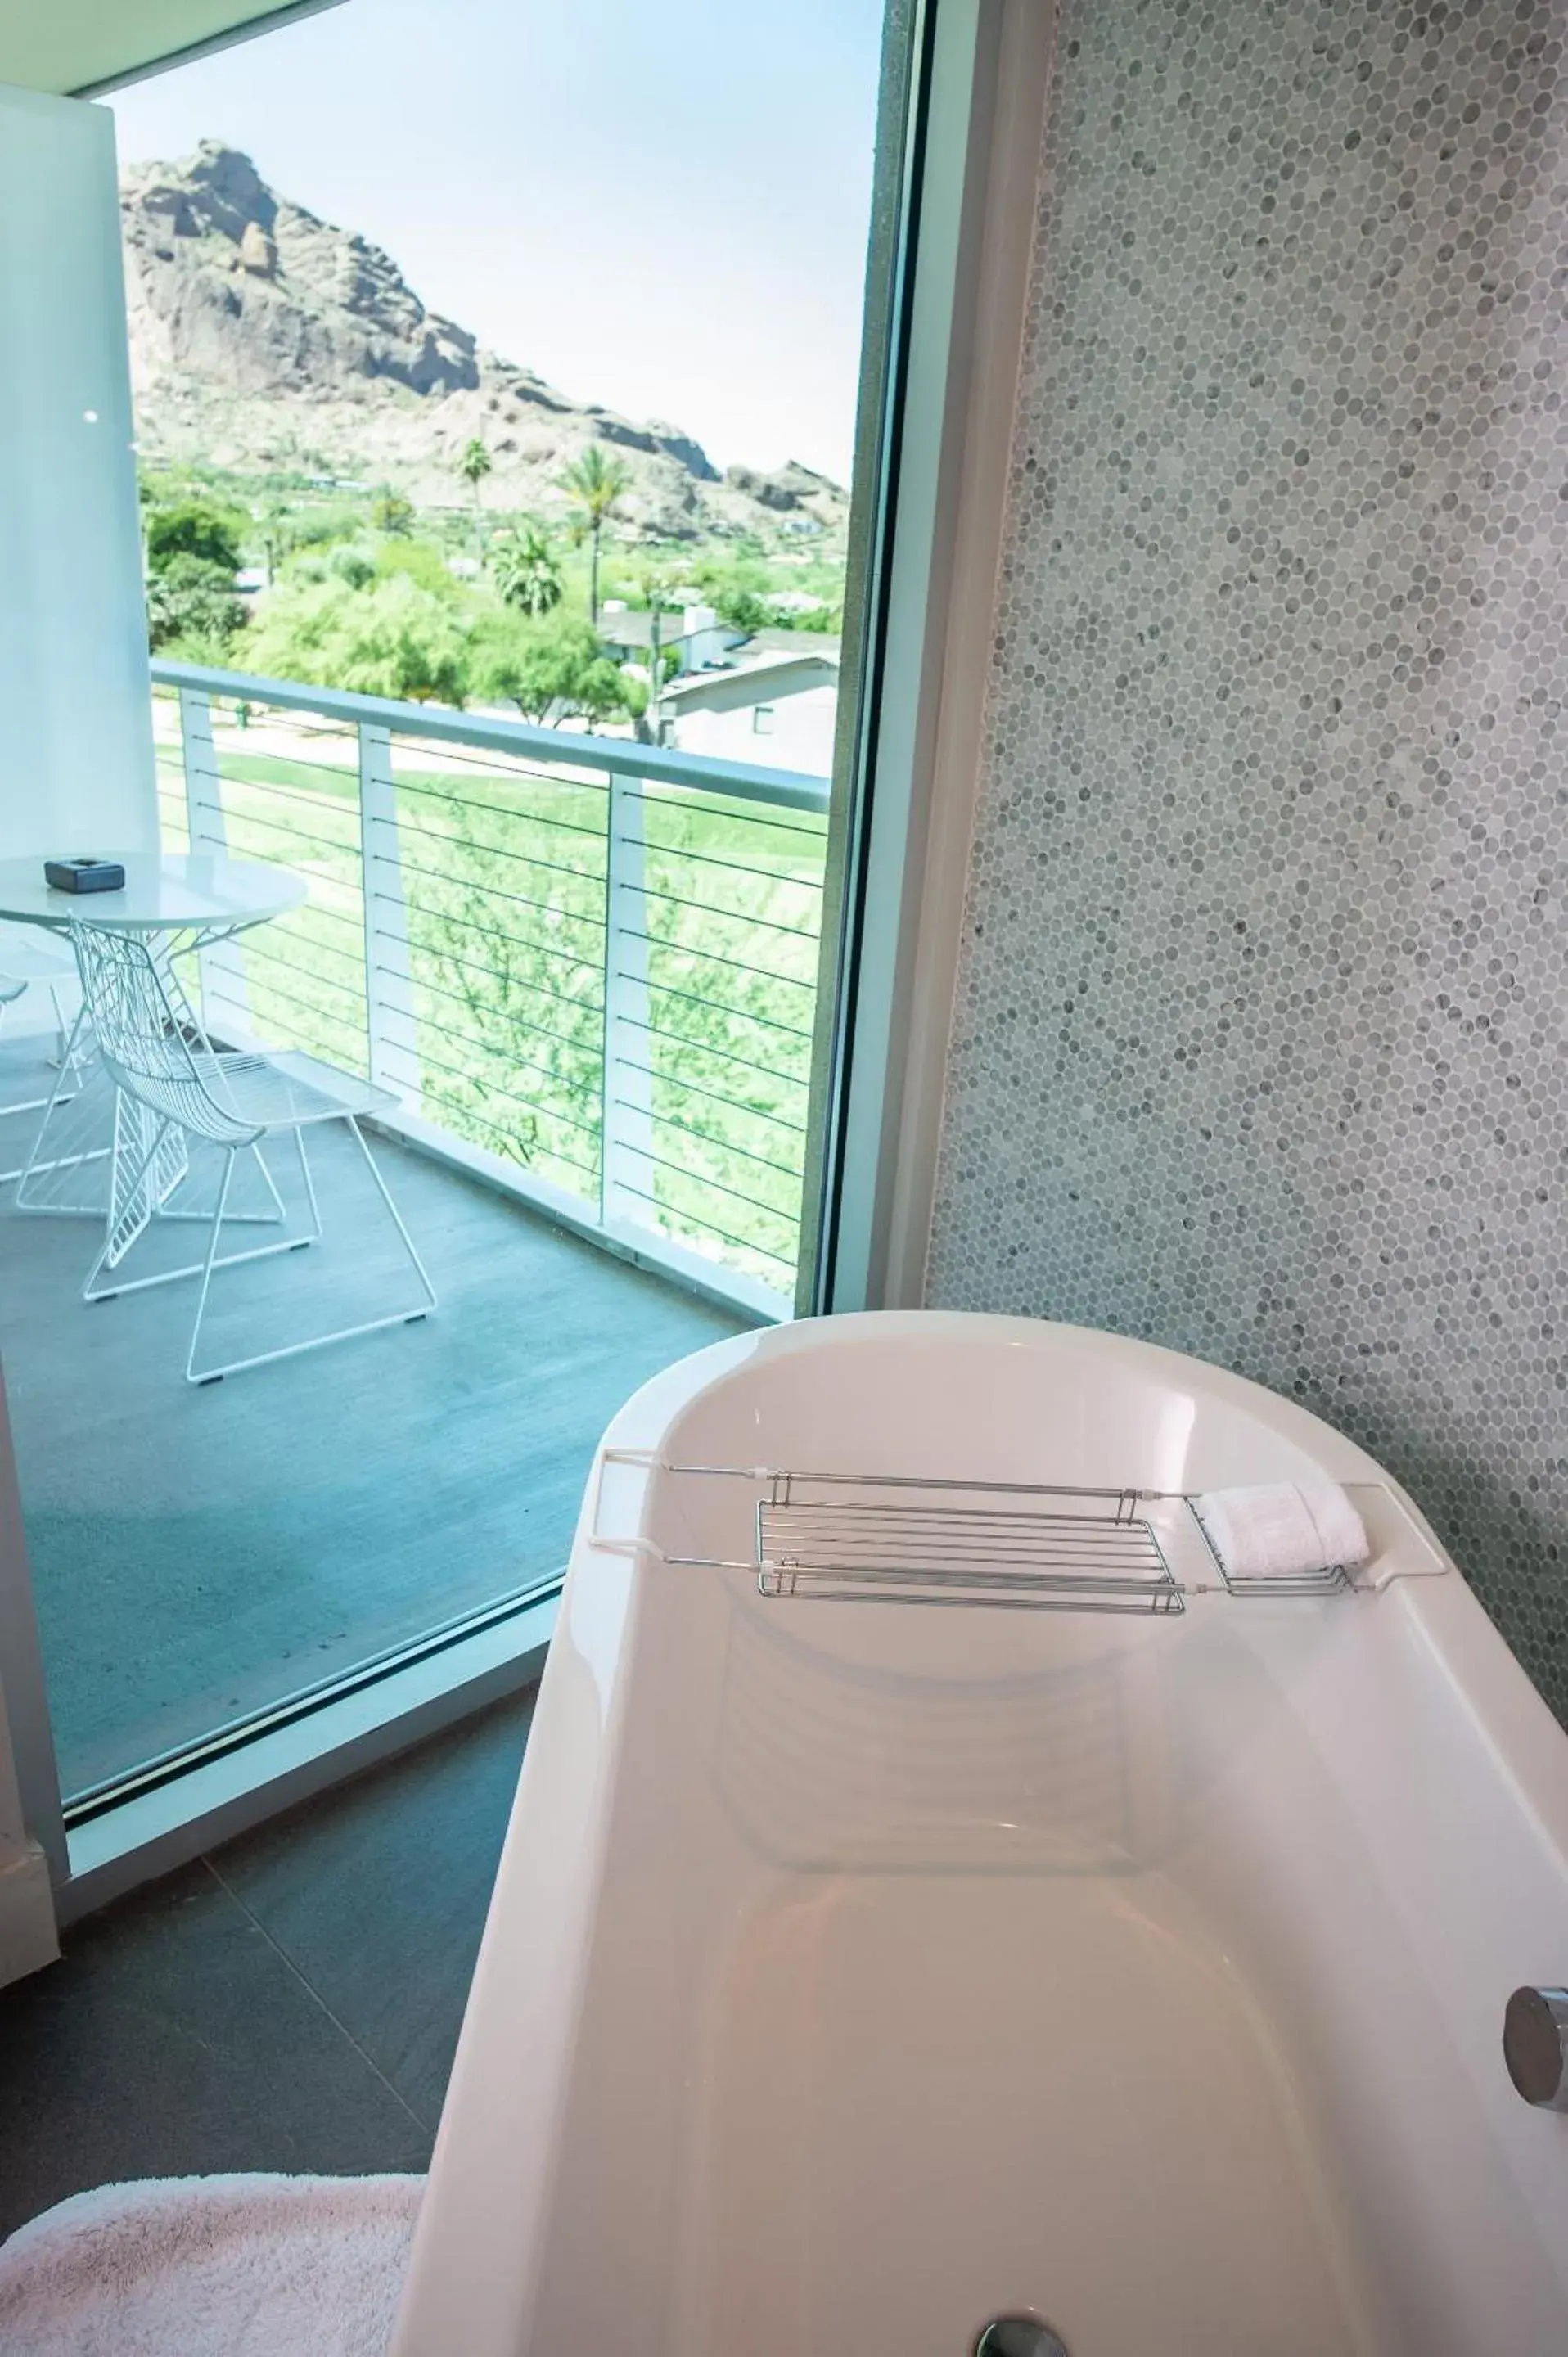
[(179, 902), (196, 898)]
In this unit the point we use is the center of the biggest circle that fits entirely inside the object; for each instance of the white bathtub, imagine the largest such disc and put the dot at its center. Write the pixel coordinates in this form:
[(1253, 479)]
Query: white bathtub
[(858, 1971)]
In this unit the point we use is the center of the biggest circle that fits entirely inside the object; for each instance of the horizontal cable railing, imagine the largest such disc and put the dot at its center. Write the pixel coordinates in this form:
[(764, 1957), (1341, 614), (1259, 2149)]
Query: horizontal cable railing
[(583, 961)]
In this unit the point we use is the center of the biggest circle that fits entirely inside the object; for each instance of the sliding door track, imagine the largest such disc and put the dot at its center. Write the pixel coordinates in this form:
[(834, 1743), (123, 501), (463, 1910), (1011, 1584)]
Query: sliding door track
[(200, 1751)]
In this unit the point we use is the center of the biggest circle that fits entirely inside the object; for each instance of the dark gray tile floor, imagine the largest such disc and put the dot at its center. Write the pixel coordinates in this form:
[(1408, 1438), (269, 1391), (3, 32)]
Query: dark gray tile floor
[(290, 2002)]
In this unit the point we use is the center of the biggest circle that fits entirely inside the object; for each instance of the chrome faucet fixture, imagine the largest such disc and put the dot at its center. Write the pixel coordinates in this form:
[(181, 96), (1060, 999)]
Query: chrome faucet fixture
[(1019, 2336)]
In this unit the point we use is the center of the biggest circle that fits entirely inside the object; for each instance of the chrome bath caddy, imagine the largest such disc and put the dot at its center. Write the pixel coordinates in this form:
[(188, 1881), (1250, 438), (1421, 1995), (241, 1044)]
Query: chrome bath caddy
[(903, 1539), (889, 1539)]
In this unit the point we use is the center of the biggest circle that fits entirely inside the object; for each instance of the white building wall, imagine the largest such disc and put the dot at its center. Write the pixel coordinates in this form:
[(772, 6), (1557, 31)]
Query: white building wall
[(801, 737)]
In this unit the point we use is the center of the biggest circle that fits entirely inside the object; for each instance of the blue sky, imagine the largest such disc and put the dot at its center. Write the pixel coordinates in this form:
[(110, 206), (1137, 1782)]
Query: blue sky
[(661, 209)]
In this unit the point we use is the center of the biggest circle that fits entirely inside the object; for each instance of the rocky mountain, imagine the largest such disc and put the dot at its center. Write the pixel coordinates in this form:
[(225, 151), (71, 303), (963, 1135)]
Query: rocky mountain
[(263, 338)]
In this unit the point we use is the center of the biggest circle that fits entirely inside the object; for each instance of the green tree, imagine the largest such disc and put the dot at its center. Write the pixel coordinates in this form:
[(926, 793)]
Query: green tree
[(598, 485), (738, 591), (351, 564), (147, 501), (654, 582), (190, 599), (391, 512), (195, 527), (553, 668), (525, 572), (275, 518), (474, 464), (391, 638), (421, 561), (741, 607)]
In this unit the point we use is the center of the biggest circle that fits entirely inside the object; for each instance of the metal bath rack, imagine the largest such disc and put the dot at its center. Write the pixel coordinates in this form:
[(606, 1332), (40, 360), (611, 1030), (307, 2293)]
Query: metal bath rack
[(1039, 1547)]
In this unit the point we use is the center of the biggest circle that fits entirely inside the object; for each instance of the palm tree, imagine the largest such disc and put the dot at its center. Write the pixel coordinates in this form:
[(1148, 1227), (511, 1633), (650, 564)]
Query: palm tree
[(474, 464), (654, 581), (275, 518), (596, 484), (525, 571)]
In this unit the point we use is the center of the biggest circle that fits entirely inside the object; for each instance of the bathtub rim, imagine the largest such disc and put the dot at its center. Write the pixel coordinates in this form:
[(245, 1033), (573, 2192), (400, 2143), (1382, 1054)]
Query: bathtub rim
[(1522, 1734)]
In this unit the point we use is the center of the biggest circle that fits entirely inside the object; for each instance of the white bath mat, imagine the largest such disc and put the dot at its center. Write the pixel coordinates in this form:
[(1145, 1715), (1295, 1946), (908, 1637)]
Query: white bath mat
[(212, 2266)]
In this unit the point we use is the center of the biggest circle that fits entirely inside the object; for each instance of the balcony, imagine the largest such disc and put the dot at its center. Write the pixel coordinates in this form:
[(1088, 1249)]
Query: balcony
[(586, 970)]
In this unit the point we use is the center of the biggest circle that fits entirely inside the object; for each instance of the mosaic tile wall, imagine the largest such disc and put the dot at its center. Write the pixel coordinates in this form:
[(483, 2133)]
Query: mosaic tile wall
[(1261, 1037)]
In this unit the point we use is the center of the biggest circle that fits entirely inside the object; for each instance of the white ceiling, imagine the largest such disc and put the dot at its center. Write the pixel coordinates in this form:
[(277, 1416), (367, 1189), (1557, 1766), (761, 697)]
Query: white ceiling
[(77, 45)]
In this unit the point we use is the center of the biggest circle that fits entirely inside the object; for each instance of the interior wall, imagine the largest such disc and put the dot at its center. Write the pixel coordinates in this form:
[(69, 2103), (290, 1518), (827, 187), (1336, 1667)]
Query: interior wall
[(76, 743), (1259, 1048)]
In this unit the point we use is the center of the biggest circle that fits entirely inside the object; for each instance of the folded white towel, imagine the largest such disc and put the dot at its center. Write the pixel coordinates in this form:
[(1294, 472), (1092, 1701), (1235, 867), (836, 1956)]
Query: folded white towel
[(1283, 1530)]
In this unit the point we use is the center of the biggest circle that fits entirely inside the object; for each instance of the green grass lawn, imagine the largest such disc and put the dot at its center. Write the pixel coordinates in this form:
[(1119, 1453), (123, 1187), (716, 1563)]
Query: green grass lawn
[(488, 924)]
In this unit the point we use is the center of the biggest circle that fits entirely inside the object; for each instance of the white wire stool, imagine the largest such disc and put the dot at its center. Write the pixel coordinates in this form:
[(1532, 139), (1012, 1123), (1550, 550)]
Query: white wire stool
[(24, 962), (89, 1135), (173, 1089)]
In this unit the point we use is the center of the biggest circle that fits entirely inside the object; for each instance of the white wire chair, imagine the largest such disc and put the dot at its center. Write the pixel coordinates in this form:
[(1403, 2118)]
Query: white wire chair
[(28, 957), (174, 1087)]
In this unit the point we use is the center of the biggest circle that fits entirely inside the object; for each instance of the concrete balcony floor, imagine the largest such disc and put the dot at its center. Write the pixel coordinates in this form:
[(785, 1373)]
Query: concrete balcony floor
[(200, 1552)]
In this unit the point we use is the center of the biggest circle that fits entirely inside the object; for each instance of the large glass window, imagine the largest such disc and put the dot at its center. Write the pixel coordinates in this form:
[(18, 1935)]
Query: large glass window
[(495, 371)]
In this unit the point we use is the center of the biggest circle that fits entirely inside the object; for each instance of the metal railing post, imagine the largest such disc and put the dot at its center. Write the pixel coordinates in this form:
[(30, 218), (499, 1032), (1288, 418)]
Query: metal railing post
[(221, 969), (391, 1026), (626, 1134)]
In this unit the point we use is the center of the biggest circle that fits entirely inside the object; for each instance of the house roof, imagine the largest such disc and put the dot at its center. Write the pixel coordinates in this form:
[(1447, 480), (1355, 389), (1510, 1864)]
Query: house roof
[(635, 628), (795, 642), (727, 687)]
